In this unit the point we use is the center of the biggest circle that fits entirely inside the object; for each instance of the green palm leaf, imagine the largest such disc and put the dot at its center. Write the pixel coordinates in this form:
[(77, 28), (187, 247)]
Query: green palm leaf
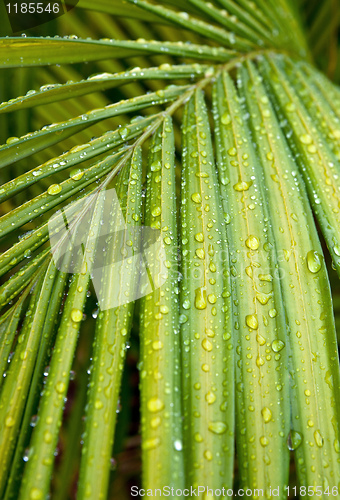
[(205, 309), (259, 320)]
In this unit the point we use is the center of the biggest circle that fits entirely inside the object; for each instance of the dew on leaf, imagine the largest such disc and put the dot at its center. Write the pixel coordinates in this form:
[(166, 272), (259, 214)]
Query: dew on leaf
[(313, 261), (54, 189), (294, 440), (252, 322)]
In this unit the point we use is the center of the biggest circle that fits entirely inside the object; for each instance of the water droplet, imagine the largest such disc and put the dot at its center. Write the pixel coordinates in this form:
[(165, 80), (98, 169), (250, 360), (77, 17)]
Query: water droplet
[(210, 397), (212, 298), (294, 440), (150, 444), (34, 419), (242, 186), (124, 132), (200, 253), (306, 139), (183, 318), (186, 304), (60, 387), (261, 340), (200, 298), (329, 379), (262, 297), (264, 441), (26, 455), (277, 345), (36, 494), (76, 315), (156, 211), (9, 422), (48, 437), (155, 404), (155, 422), (336, 249), (265, 277), (249, 271), (76, 174), (266, 414), (272, 313), (318, 439), (313, 261), (217, 427), (11, 140), (156, 166), (163, 67), (157, 345), (54, 189), (196, 198), (207, 345), (252, 242), (199, 237), (226, 118), (252, 322), (98, 404), (178, 445), (77, 149), (113, 464), (259, 361), (198, 438)]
